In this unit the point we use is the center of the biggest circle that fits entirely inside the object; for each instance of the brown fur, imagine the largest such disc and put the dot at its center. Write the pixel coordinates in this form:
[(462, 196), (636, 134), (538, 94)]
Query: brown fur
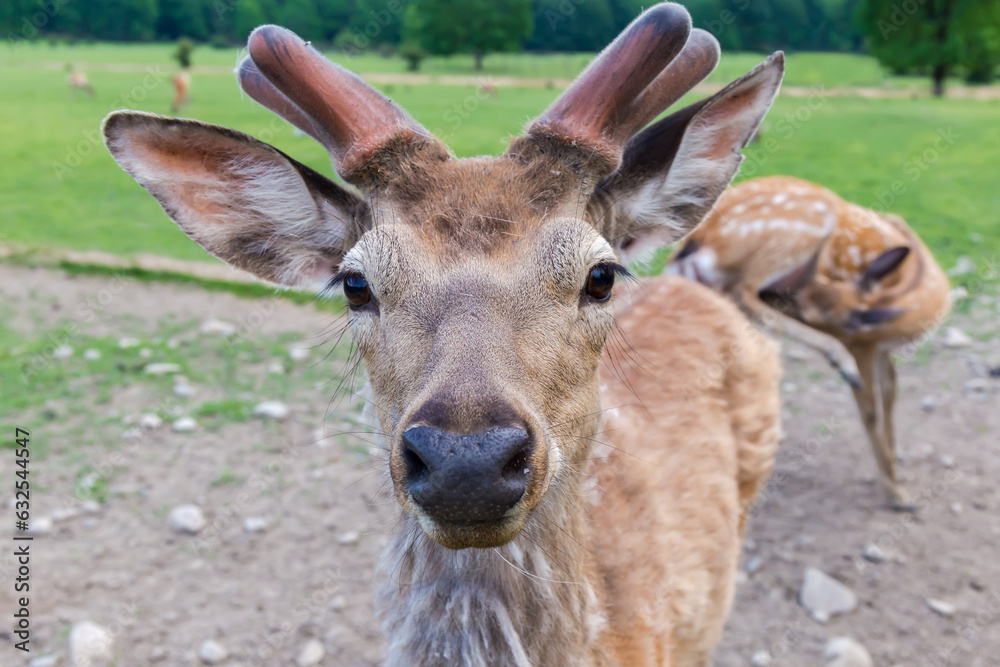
[(478, 317), (786, 234)]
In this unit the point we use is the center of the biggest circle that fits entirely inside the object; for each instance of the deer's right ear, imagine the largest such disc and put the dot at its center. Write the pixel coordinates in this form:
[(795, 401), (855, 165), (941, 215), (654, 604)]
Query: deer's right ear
[(673, 171), (245, 202)]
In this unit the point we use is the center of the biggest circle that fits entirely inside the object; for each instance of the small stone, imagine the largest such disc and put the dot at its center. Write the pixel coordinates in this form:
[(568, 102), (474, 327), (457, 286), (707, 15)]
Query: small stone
[(185, 425), (90, 506), (947, 461), (41, 526), (350, 537), (131, 434), (255, 524), (45, 661), (311, 653), (212, 652), (161, 369), (64, 513), (157, 654), (215, 327), (91, 354), (789, 387), (271, 410), (941, 607), (846, 652), (955, 338), (298, 352), (150, 422), (754, 564), (980, 386), (338, 603), (873, 554), (90, 645), (959, 293), (186, 519), (928, 403), (125, 343), (145, 353), (963, 266), (824, 597), (183, 390), (796, 354), (760, 659), (276, 368), (956, 508), (63, 352)]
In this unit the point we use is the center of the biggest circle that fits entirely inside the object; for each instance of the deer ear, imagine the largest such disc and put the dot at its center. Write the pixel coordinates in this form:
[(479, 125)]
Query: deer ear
[(243, 201), (785, 287), (882, 266), (863, 320), (673, 171)]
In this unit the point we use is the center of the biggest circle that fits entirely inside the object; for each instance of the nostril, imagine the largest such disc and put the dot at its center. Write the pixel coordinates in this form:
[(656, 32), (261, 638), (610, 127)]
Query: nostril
[(415, 466), (517, 467)]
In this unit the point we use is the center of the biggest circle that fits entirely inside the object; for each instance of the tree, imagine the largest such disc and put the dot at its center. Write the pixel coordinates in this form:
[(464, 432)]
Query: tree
[(301, 17), (445, 27), (934, 35), (247, 15)]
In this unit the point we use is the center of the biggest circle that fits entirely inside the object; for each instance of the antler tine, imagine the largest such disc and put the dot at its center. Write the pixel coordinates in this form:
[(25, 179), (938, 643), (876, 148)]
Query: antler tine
[(592, 111), (264, 93), (360, 127), (692, 65)]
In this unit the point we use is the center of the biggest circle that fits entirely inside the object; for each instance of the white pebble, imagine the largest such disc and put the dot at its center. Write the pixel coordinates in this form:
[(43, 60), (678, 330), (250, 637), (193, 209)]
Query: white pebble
[(185, 424), (254, 524), (150, 422), (183, 390), (125, 343), (760, 659), (91, 354), (956, 338), (824, 597), (44, 661), (350, 537), (215, 327), (186, 519), (90, 645), (941, 607), (162, 369), (311, 653), (212, 652), (63, 352), (298, 352), (845, 652), (145, 353), (40, 526), (271, 410), (276, 368)]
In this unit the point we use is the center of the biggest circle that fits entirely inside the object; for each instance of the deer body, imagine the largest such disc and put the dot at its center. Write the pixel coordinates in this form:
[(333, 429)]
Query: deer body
[(78, 81), (182, 86), (557, 509), (848, 281)]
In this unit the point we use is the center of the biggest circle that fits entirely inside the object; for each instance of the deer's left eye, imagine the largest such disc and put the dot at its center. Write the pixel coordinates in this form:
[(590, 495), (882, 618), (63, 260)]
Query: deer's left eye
[(356, 290), (600, 281)]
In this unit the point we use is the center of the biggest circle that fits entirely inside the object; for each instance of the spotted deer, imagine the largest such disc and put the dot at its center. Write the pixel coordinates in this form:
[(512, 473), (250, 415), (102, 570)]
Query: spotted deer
[(571, 481), (845, 280)]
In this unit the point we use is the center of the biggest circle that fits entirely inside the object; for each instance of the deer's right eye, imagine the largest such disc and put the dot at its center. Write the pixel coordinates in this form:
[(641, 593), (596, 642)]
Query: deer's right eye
[(356, 290)]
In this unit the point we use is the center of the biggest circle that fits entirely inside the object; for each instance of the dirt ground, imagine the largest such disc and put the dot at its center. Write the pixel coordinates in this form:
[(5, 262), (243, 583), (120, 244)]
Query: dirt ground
[(309, 574)]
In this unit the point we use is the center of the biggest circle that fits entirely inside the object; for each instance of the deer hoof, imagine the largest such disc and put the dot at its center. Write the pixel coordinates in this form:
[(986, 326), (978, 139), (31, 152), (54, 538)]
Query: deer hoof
[(901, 501)]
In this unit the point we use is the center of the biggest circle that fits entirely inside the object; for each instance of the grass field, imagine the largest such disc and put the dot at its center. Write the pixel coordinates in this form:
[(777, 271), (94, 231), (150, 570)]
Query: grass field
[(933, 161)]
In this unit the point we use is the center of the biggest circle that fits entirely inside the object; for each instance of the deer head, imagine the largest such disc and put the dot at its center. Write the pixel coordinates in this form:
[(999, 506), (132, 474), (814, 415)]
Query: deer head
[(479, 290), (856, 304)]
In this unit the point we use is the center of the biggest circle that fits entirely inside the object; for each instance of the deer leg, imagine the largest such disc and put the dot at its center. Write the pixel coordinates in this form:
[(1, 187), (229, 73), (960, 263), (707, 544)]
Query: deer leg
[(781, 324), (869, 398), (886, 374)]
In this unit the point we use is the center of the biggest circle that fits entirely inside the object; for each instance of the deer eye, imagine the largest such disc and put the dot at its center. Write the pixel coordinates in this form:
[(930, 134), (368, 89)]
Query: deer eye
[(600, 281), (356, 290)]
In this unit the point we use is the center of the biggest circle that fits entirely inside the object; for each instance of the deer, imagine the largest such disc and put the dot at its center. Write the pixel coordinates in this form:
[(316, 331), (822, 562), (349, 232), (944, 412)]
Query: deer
[(571, 462), (78, 81), (182, 84), (850, 282)]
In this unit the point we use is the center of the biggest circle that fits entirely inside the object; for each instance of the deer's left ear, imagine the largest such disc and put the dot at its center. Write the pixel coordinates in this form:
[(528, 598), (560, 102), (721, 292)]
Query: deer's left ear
[(882, 266), (673, 171)]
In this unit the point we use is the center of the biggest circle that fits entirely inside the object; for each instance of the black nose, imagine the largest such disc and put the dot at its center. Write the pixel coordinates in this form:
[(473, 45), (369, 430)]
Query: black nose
[(473, 477)]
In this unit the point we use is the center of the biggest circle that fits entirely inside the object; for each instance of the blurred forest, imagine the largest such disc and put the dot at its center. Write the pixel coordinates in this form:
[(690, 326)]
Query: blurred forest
[(552, 25)]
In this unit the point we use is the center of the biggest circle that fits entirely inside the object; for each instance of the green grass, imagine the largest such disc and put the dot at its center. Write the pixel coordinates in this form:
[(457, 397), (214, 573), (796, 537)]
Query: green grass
[(59, 187), (804, 69)]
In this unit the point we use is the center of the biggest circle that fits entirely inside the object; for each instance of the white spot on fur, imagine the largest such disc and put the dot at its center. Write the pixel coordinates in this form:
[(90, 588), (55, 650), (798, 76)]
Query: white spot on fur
[(779, 198)]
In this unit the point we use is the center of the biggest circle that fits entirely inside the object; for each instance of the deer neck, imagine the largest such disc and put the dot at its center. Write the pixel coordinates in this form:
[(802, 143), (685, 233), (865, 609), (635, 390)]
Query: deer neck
[(532, 601)]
